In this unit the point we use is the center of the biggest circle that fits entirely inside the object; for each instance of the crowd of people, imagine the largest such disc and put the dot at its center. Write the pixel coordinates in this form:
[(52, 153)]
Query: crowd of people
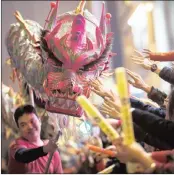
[(153, 123)]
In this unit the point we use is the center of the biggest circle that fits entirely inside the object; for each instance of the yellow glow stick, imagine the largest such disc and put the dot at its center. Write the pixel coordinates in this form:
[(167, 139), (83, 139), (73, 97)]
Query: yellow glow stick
[(94, 114), (125, 106), (127, 119)]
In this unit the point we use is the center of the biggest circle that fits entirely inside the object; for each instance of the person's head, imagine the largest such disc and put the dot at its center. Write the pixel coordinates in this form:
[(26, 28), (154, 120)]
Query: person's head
[(28, 122)]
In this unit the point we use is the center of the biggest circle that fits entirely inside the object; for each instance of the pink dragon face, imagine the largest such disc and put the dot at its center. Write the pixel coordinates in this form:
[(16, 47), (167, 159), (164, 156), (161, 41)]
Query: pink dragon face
[(59, 61), (77, 51)]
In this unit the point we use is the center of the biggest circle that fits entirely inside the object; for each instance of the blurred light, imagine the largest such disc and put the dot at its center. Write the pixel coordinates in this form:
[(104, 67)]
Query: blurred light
[(128, 2), (149, 7), (95, 131), (139, 14), (138, 18), (85, 128)]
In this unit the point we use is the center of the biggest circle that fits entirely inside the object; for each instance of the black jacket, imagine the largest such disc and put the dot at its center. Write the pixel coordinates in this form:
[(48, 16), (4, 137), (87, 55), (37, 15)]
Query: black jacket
[(157, 96), (167, 74), (142, 136), (140, 105), (155, 126)]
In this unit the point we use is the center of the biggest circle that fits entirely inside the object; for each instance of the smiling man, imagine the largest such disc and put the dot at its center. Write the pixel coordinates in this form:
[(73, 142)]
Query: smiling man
[(29, 154)]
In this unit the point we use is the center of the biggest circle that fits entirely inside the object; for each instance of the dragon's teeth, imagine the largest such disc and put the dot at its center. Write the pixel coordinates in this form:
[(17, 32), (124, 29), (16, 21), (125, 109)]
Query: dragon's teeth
[(64, 95), (61, 95), (76, 105), (61, 101), (68, 102), (73, 108), (64, 106), (73, 96), (71, 102), (69, 96)]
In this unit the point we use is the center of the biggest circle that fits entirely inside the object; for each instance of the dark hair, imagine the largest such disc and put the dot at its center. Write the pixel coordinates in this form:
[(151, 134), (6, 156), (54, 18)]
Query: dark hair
[(24, 109), (171, 105)]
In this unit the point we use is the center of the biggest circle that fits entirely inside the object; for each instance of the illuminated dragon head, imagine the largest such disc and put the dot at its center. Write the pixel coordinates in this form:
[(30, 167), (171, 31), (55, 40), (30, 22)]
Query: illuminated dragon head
[(74, 48), (79, 50)]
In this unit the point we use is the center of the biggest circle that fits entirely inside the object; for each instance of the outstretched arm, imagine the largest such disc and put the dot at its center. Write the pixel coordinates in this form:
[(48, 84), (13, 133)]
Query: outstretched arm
[(28, 155), (157, 56)]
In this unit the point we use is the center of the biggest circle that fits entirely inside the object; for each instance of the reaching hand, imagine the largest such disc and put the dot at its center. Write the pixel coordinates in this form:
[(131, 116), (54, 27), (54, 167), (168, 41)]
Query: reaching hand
[(98, 88), (147, 53), (110, 110), (129, 153), (139, 59), (133, 153), (138, 81), (113, 102)]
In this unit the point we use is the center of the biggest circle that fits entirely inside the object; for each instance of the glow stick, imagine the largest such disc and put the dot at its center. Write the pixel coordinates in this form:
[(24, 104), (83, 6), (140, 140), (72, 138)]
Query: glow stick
[(126, 117), (101, 150), (94, 114), (125, 106)]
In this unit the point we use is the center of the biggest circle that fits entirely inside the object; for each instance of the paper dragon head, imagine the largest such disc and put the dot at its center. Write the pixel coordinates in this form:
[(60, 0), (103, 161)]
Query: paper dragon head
[(74, 48)]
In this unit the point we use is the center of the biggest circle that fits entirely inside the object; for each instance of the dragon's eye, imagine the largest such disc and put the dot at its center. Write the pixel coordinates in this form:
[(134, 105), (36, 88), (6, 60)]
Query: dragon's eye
[(82, 68), (55, 62), (51, 55), (58, 62), (90, 65)]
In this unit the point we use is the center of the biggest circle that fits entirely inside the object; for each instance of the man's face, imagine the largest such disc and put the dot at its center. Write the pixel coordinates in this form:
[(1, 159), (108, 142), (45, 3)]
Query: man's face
[(29, 126)]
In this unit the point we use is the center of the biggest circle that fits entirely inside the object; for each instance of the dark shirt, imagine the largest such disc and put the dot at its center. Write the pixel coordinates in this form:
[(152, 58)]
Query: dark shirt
[(140, 105), (154, 125), (157, 96), (167, 74)]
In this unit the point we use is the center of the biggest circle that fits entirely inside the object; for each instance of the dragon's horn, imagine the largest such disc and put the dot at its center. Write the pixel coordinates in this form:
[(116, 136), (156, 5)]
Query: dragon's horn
[(80, 8), (25, 26), (102, 21), (51, 18)]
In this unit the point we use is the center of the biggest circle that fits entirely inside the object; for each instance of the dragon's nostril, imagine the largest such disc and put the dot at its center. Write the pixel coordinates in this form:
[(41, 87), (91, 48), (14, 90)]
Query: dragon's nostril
[(78, 21), (78, 33), (76, 89), (61, 85)]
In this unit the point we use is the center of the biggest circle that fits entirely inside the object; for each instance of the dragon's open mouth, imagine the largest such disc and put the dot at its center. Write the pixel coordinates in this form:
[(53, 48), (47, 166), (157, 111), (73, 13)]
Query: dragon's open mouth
[(64, 102), (64, 106), (68, 94), (58, 101)]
